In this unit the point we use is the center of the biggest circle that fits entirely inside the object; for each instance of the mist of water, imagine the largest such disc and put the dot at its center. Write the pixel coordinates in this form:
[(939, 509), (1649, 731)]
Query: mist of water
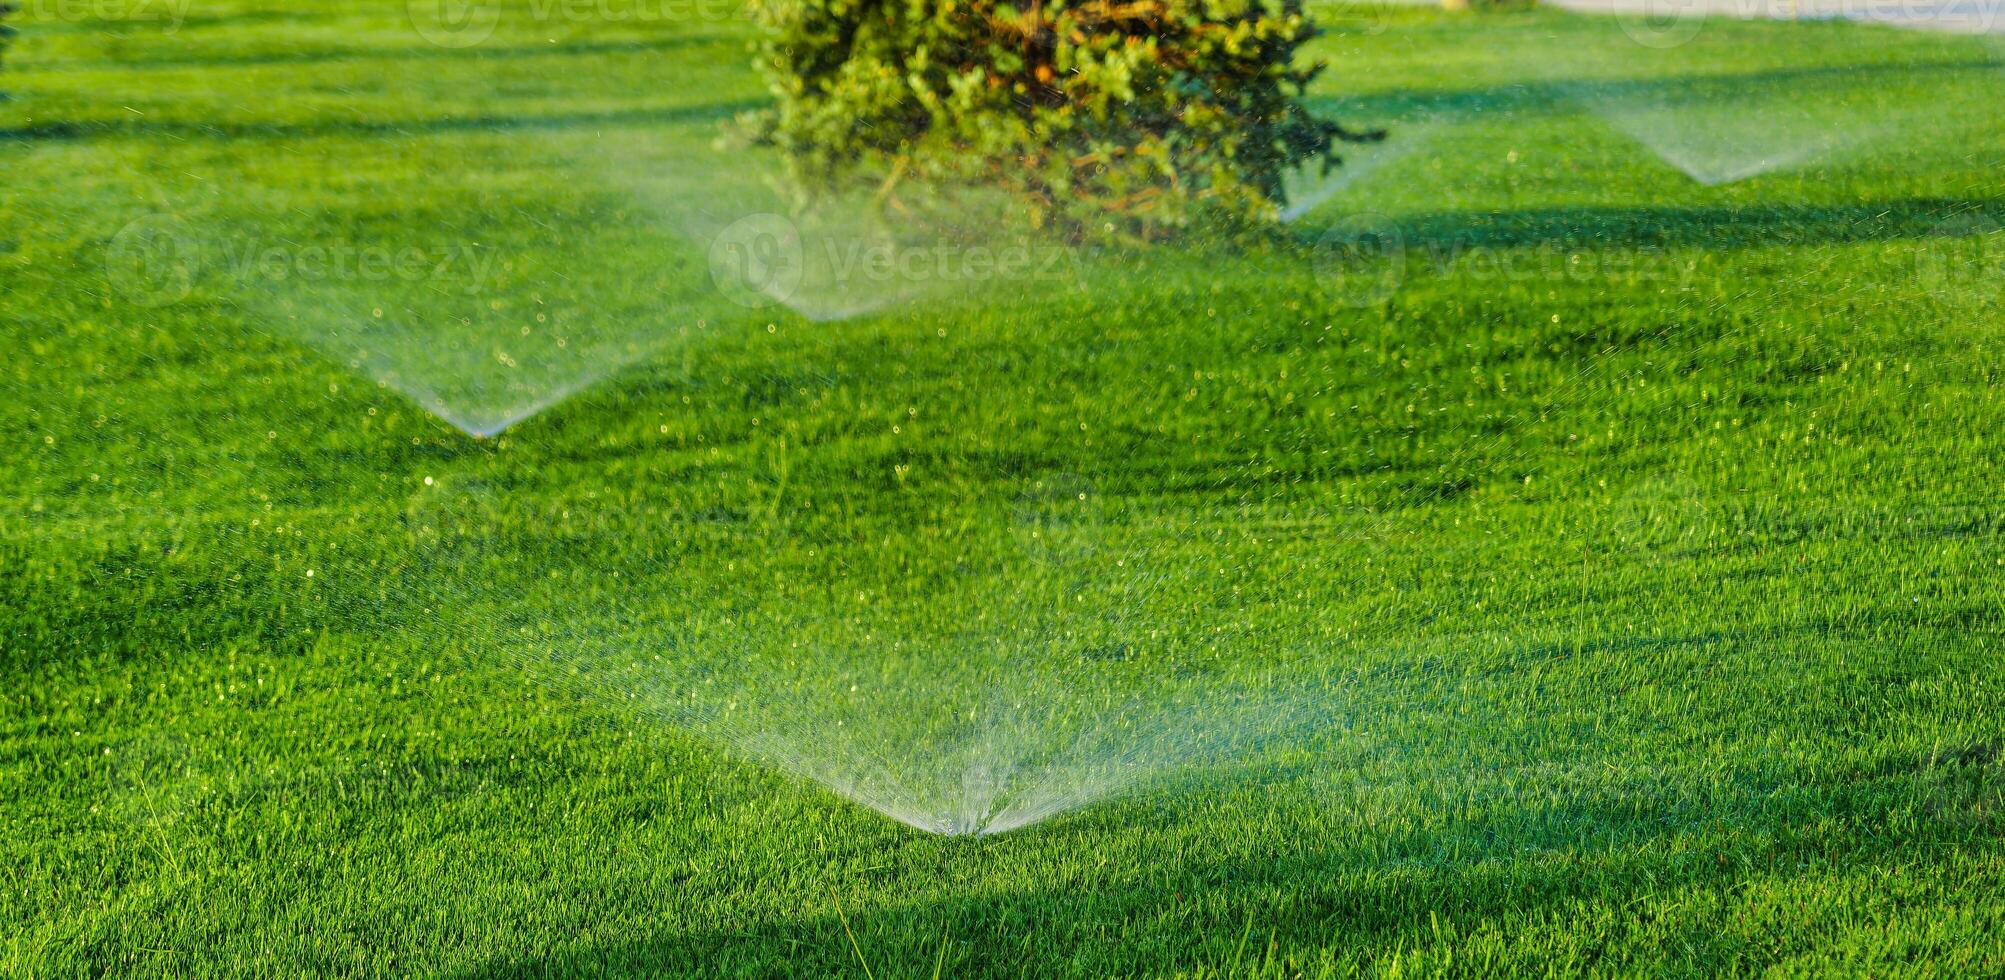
[(1312, 188), (1720, 117), (1078, 671), (1726, 143)]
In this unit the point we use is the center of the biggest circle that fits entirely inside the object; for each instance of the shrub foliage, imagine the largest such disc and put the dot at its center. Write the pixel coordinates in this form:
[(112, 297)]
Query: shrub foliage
[(1137, 117)]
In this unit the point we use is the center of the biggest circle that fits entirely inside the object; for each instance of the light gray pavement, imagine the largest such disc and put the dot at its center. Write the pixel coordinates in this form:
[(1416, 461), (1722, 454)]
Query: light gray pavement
[(1965, 16)]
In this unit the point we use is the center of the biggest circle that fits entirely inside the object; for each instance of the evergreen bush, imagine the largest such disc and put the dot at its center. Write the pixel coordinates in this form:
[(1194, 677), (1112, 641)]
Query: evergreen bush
[(1137, 118)]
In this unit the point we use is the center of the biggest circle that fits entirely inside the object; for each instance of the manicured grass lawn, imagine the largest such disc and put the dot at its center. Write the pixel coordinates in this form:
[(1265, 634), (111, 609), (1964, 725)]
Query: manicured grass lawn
[(1586, 568)]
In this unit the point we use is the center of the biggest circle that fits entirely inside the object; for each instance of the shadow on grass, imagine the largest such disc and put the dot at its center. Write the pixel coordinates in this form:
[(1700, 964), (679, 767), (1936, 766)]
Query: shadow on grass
[(168, 27), (427, 53), (57, 131), (1677, 862), (1716, 227)]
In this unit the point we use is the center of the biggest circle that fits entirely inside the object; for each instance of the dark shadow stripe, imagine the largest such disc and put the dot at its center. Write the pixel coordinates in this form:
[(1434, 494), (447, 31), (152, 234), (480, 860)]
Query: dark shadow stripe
[(357, 55), (138, 129)]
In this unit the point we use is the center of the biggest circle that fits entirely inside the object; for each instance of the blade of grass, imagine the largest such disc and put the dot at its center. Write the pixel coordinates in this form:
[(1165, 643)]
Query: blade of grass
[(1241, 951), (853, 947)]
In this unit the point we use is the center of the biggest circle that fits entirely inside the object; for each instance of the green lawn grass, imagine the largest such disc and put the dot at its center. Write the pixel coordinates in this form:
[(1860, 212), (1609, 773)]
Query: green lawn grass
[(1588, 570)]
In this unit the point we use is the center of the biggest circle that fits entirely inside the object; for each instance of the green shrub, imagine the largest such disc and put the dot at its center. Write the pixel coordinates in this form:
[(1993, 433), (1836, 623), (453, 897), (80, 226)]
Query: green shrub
[(1131, 117)]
